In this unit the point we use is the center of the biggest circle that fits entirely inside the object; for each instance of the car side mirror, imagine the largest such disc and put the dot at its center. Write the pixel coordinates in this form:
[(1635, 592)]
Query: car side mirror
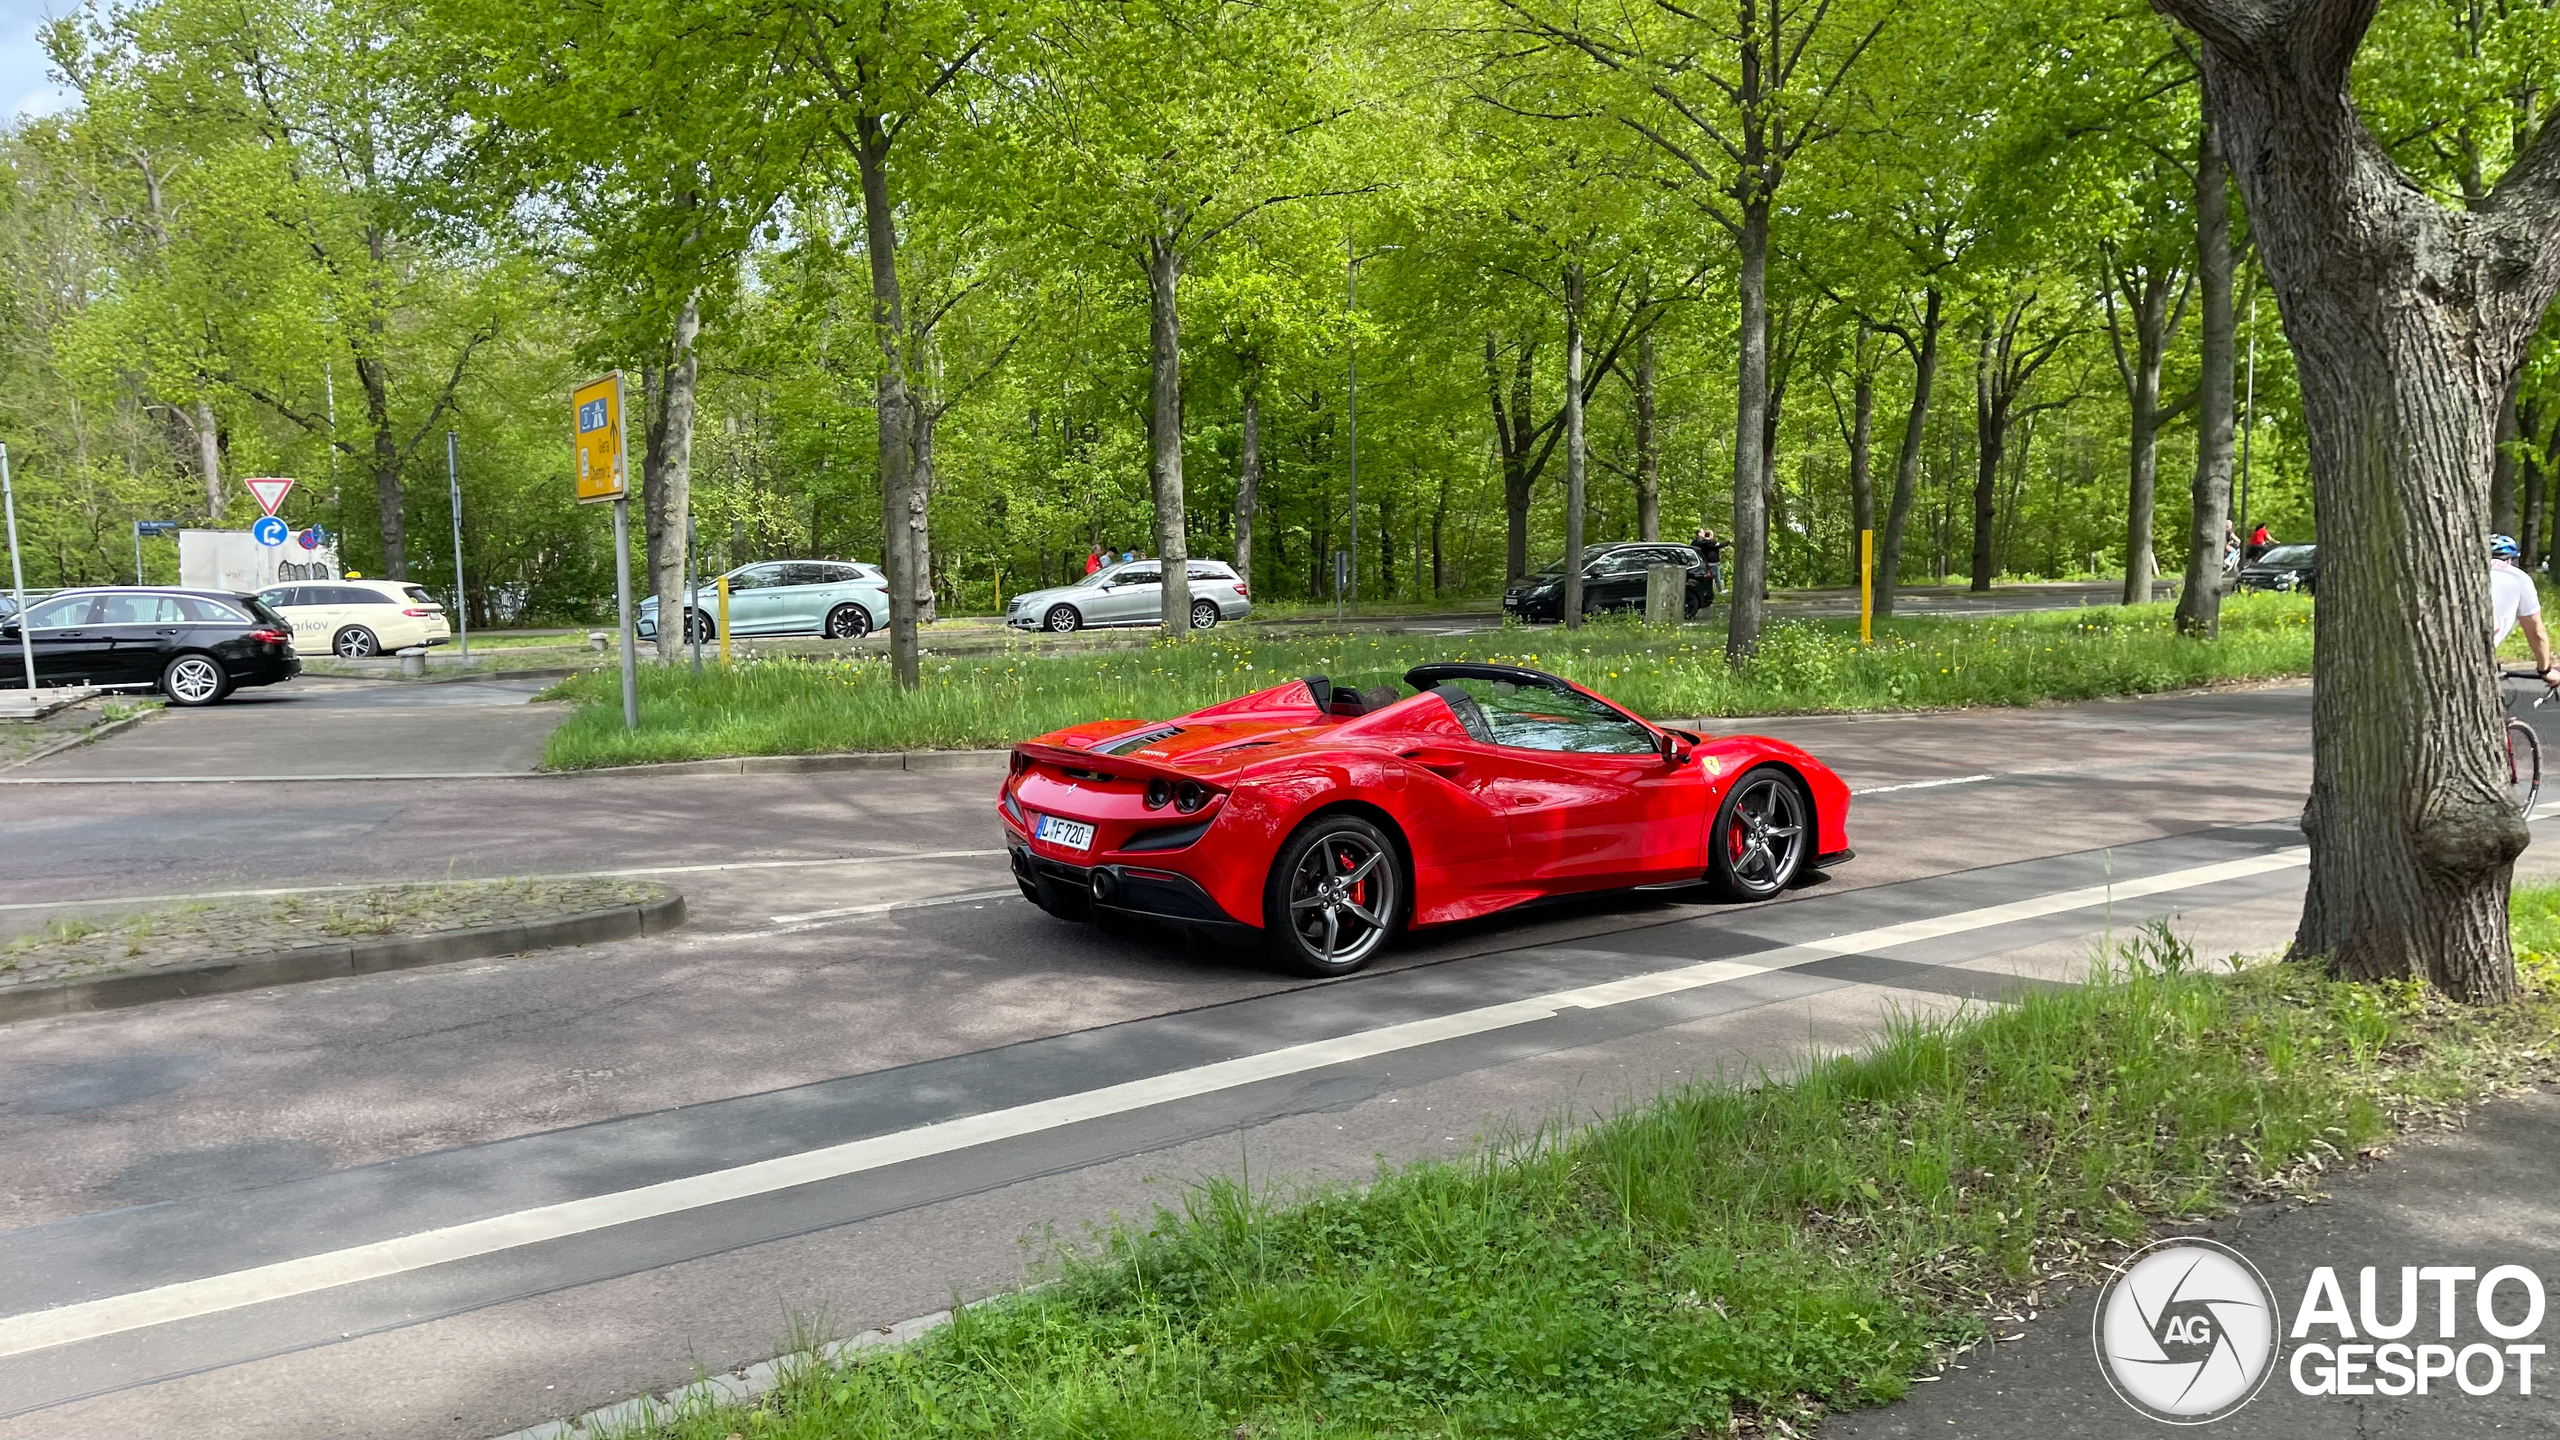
[(1675, 751)]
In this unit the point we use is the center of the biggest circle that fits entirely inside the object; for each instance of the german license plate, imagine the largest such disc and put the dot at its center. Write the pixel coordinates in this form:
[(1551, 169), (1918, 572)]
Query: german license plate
[(1071, 834)]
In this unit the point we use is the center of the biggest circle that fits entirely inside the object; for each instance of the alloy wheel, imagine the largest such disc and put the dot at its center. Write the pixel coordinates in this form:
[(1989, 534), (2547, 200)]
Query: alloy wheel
[(1062, 620), (355, 643), (848, 622), (194, 680), (1342, 899), (1764, 835), (1204, 614)]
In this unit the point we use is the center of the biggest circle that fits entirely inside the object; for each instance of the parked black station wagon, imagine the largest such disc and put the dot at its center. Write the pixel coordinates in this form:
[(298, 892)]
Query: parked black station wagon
[(195, 646)]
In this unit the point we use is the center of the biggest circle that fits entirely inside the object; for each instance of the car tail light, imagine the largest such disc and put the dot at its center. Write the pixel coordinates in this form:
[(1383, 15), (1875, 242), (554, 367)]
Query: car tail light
[(421, 614), (1243, 591), (1160, 792), (272, 637), (1189, 796)]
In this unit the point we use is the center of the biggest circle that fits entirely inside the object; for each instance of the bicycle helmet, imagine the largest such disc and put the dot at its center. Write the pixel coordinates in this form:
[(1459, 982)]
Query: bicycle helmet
[(2504, 547)]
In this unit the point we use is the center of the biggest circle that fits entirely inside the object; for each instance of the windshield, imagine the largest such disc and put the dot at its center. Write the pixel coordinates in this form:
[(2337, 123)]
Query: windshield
[(1552, 567), (2289, 555)]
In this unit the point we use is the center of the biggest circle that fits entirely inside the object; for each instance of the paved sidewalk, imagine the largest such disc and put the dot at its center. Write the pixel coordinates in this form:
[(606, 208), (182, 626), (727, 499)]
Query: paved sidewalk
[(2482, 1196)]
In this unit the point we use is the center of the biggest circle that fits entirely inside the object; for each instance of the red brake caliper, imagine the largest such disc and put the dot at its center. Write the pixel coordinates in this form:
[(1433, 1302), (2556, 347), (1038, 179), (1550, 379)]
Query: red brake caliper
[(1359, 889)]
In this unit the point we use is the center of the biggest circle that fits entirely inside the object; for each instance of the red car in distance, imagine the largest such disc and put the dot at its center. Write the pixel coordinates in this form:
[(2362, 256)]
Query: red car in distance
[(1320, 819)]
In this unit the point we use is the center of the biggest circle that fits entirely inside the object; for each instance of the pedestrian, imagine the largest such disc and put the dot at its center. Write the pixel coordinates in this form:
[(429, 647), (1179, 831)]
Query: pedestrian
[(1711, 550), (1127, 556), (2260, 542), (1092, 561)]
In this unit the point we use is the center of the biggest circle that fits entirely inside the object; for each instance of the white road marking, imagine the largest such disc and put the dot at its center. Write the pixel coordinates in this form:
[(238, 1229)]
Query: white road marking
[(564, 875), (884, 907), (1923, 784), (116, 1314)]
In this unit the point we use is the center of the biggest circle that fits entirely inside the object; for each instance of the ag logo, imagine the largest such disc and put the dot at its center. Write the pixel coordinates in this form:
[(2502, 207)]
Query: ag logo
[(2186, 1331)]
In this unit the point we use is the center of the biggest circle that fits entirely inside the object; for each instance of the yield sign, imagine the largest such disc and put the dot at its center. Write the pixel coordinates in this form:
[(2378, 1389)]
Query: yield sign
[(270, 493)]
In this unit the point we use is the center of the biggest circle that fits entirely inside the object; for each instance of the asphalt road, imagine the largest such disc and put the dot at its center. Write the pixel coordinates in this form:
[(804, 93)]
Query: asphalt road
[(456, 1201)]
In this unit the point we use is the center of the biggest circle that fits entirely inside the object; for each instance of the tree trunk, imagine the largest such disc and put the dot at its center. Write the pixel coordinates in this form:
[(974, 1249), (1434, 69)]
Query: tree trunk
[(1164, 430), (1772, 494), (2209, 496), (1577, 455), (1648, 446), (2408, 324), (1906, 470), (1249, 465), (897, 449), (2145, 291), (1439, 519), (1990, 441), (1750, 548), (2531, 524), (209, 459), (667, 479), (2502, 473), (1512, 433), (390, 498), (923, 420)]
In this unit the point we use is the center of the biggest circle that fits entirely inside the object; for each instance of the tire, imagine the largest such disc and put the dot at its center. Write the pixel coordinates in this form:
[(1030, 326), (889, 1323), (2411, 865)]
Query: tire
[(355, 643), (1204, 614), (848, 622), (192, 679), (2524, 767), (1335, 897), (698, 626), (1763, 836), (1062, 620)]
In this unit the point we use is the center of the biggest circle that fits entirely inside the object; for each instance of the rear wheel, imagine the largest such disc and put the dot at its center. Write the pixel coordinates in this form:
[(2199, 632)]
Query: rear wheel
[(1204, 614), (1062, 620), (848, 622), (2524, 767), (1335, 896), (1762, 838), (194, 680), (354, 643)]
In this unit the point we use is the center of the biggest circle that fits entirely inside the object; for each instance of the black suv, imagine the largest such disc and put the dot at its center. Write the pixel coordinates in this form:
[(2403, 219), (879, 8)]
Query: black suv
[(1612, 579), (196, 646)]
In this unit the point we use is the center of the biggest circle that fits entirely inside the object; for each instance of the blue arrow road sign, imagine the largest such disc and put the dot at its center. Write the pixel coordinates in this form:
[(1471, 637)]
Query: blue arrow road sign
[(268, 531)]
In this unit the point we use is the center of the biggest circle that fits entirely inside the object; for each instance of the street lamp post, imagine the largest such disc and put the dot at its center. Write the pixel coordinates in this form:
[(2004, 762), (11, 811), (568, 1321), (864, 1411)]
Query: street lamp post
[(461, 597)]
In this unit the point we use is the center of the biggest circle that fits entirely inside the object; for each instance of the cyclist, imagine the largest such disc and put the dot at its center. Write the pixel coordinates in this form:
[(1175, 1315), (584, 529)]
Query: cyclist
[(2513, 602)]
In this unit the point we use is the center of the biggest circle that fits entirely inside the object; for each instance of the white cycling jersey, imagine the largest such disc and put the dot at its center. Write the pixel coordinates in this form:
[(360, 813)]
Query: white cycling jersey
[(2511, 598)]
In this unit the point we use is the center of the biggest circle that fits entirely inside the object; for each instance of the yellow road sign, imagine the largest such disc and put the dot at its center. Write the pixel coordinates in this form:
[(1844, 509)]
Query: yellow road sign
[(603, 459)]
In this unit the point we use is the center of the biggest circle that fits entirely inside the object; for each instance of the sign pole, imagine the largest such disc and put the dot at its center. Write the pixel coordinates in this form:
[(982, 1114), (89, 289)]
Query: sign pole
[(603, 449), (461, 597), (17, 573), (137, 553), (1866, 586)]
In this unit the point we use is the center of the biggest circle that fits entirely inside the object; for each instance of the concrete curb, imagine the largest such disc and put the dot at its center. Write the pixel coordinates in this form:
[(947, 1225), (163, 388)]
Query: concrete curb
[(809, 764), (331, 962), (93, 733)]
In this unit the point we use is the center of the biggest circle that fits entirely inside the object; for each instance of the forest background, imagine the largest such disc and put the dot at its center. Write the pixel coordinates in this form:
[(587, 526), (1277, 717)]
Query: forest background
[(1097, 274)]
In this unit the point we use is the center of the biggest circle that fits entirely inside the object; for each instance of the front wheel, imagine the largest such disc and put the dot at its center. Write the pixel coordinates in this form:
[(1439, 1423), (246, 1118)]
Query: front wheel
[(192, 680), (700, 627), (848, 622), (2524, 767), (1062, 620), (1762, 837), (1335, 896), (1204, 614)]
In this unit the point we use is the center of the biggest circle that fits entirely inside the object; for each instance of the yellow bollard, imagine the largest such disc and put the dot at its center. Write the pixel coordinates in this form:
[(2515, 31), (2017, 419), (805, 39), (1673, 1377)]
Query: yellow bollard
[(1866, 587), (724, 619)]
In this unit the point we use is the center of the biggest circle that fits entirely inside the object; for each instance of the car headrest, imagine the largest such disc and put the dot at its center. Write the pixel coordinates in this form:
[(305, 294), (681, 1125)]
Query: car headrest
[(1322, 689)]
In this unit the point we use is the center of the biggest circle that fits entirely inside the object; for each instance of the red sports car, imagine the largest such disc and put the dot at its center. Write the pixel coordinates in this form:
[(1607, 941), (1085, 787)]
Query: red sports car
[(1320, 819)]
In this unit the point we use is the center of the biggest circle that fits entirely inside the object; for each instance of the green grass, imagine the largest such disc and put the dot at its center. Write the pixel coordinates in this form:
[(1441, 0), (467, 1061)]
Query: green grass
[(1724, 1251), (780, 706)]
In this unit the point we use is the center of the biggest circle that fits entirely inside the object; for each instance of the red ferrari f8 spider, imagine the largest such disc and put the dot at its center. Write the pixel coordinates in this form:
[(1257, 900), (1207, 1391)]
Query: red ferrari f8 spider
[(1321, 819)]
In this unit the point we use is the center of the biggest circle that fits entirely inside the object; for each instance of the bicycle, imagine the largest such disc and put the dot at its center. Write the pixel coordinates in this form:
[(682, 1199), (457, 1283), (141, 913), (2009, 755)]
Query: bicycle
[(2524, 747)]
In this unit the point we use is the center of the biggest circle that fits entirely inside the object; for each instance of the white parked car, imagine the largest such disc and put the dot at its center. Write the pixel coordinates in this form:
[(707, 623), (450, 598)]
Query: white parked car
[(355, 618), (1131, 593)]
